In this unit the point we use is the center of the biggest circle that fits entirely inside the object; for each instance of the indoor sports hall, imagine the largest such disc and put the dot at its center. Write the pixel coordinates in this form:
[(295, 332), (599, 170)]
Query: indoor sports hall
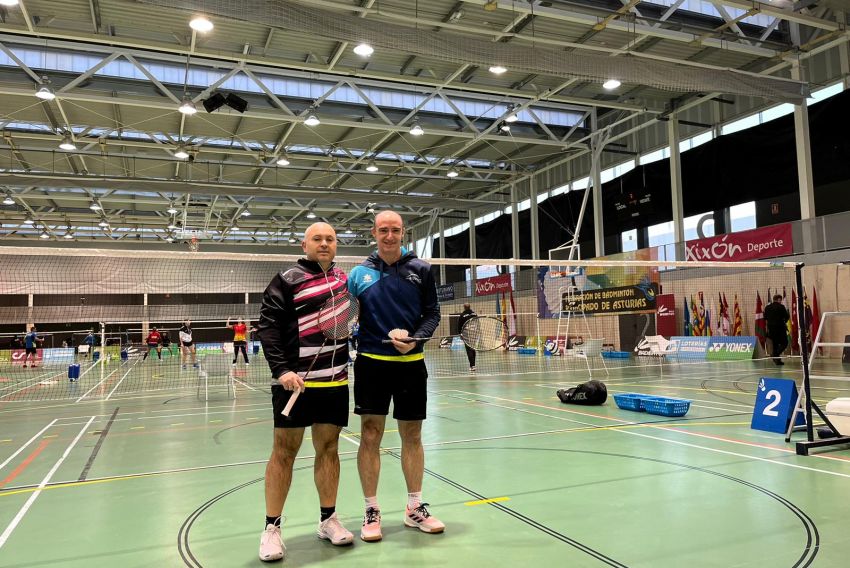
[(633, 216)]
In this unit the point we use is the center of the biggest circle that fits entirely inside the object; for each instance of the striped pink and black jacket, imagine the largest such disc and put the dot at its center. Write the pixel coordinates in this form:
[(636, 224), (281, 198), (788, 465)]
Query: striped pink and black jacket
[(289, 330)]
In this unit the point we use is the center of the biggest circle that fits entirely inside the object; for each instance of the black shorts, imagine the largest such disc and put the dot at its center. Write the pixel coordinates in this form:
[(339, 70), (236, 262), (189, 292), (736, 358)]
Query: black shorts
[(31, 351), (187, 344), (316, 405), (153, 346), (376, 382)]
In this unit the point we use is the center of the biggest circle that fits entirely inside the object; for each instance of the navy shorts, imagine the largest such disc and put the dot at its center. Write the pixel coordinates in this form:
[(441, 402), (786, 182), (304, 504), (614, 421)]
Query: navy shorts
[(377, 382), (316, 405)]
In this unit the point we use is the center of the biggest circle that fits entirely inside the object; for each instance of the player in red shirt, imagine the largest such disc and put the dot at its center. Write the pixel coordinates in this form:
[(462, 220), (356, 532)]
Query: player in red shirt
[(153, 341), (240, 339)]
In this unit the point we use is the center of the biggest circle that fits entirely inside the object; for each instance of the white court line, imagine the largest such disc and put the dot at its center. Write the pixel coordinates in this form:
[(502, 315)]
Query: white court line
[(95, 386), (31, 440), (32, 382), (23, 511), (667, 429), (119, 382)]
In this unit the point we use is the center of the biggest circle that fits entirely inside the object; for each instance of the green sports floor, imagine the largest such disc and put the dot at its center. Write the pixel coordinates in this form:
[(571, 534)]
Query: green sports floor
[(161, 478)]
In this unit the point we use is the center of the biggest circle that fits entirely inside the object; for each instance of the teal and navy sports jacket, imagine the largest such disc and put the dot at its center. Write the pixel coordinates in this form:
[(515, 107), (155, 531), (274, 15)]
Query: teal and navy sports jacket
[(401, 295)]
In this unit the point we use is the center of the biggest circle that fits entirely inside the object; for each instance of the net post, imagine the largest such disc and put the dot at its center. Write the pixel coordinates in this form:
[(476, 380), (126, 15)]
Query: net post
[(804, 350)]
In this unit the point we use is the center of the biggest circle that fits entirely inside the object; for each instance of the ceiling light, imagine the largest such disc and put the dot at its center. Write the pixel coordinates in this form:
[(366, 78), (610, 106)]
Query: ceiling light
[(45, 93), (44, 235), (188, 107), (512, 116), (235, 226), (497, 69), (172, 210), (8, 200), (8, 2), (372, 167), (68, 235), (292, 239), (611, 84), (181, 153), (416, 130), (67, 143), (246, 213), (103, 223), (170, 239), (312, 120), (28, 220), (95, 206), (505, 127), (311, 214), (364, 50), (172, 225), (283, 160), (201, 24), (452, 173)]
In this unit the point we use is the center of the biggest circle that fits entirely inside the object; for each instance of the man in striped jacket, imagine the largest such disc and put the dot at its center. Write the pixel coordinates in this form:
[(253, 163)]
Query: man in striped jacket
[(291, 341)]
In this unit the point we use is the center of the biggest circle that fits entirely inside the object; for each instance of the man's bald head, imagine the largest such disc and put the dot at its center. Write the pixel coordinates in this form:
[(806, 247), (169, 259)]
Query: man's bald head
[(391, 217), (319, 244), (318, 226)]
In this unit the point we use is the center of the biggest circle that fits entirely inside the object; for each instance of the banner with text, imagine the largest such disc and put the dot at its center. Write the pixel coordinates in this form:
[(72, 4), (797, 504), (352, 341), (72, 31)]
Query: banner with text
[(638, 298), (494, 285), (665, 315), (747, 245), (446, 292)]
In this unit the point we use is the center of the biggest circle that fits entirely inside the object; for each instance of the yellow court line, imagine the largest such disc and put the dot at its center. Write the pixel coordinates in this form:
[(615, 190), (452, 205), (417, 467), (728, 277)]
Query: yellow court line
[(137, 427), (177, 424), (485, 501), (7, 440), (50, 436), (214, 421)]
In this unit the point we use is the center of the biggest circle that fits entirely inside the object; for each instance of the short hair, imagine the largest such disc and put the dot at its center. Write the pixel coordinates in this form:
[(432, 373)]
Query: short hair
[(466, 305), (777, 297)]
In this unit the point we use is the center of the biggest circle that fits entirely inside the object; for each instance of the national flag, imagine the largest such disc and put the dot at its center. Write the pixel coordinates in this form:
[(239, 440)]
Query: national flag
[(727, 328), (687, 331), (695, 326), (761, 325), (513, 314), (815, 316), (795, 325), (807, 319), (707, 322), (738, 326)]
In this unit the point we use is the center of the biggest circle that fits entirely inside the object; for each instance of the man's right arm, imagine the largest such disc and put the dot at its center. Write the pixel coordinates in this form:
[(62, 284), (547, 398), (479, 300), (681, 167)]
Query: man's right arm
[(278, 328)]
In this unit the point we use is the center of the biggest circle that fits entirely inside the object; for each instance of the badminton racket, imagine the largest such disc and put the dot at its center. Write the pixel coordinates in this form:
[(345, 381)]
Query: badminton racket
[(481, 333), (336, 319)]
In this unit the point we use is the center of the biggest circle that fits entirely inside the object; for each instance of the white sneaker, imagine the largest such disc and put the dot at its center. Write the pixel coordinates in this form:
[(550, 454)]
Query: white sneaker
[(420, 518), (371, 530), (271, 544), (331, 529)]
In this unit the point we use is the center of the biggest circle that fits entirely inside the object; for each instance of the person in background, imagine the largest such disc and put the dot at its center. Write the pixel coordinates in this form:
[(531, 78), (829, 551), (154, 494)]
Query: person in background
[(466, 315), (187, 344), (153, 341), (776, 316), (31, 341), (240, 343)]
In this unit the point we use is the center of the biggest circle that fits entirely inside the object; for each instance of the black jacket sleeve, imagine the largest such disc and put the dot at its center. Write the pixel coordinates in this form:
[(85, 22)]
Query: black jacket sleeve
[(430, 306), (278, 328)]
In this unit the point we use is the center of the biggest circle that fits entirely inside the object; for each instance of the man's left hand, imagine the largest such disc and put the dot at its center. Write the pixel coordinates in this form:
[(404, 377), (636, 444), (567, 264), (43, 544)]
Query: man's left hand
[(403, 346)]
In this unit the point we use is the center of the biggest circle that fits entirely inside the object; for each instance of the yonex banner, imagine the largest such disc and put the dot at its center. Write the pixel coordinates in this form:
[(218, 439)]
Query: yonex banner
[(731, 348), (446, 292), (494, 285), (765, 242), (688, 348)]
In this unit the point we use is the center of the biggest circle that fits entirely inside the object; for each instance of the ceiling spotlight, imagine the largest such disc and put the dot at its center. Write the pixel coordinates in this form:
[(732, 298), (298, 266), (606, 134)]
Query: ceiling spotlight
[(95, 206), (312, 120), (103, 223), (512, 116), (172, 210), (416, 130), (364, 50), (172, 225), (311, 214), (181, 152), (45, 93), (234, 226), (372, 167), (497, 69), (67, 143), (68, 235), (44, 235), (505, 127), (188, 107), (246, 213), (28, 220), (201, 24), (8, 200), (491, 5), (292, 239), (283, 160), (169, 239), (611, 84), (452, 173)]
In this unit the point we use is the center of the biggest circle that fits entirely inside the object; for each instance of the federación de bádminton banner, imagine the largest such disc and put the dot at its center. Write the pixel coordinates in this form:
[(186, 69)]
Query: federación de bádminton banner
[(638, 298), (747, 245)]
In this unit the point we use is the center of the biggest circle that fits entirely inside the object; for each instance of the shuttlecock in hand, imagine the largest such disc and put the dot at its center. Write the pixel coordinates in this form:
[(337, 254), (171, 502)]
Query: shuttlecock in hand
[(398, 334)]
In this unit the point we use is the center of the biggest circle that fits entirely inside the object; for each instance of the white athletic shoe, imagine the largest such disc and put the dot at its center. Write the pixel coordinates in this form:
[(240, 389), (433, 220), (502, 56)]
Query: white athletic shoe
[(420, 518), (371, 530), (271, 544), (331, 529)]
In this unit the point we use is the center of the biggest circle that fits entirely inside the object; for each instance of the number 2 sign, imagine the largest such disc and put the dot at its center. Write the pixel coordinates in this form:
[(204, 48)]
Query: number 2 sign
[(775, 400)]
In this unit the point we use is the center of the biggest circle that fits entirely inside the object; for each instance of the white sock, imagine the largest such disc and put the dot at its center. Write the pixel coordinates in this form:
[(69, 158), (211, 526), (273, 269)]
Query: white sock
[(372, 503), (414, 500)]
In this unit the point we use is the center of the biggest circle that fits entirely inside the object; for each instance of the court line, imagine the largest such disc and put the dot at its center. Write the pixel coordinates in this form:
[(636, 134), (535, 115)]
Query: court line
[(96, 385), (119, 382), (23, 465), (727, 440), (37, 378), (30, 441), (97, 446), (23, 511)]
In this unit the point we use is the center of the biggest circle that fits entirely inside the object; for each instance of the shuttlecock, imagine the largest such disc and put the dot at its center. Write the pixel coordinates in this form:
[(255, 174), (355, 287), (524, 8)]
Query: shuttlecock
[(398, 333)]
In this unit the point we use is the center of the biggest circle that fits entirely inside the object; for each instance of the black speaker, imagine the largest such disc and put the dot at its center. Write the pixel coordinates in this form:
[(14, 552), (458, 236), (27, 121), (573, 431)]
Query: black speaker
[(215, 102), (236, 103)]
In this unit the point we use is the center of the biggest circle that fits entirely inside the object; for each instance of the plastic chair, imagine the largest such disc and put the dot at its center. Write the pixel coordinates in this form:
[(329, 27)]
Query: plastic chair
[(592, 348)]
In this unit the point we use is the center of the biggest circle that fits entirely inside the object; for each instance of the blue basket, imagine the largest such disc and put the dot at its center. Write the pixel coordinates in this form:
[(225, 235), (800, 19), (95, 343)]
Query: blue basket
[(665, 406), (630, 401), (616, 354)]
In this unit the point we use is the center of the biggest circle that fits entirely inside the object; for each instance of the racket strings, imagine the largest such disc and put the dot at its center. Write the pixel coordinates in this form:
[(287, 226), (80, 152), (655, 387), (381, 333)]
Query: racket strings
[(338, 316), (484, 334)]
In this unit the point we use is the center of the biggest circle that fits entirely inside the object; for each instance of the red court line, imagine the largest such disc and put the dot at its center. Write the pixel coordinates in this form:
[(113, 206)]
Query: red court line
[(25, 463)]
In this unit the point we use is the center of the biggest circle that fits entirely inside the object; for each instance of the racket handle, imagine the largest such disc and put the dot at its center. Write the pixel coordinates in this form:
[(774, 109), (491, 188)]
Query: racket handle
[(290, 403)]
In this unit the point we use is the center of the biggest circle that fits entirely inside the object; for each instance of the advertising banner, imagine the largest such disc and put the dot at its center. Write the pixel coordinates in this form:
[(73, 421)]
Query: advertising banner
[(622, 299), (731, 348), (665, 315), (688, 348), (18, 357), (445, 292), (747, 245), (59, 355), (494, 285)]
